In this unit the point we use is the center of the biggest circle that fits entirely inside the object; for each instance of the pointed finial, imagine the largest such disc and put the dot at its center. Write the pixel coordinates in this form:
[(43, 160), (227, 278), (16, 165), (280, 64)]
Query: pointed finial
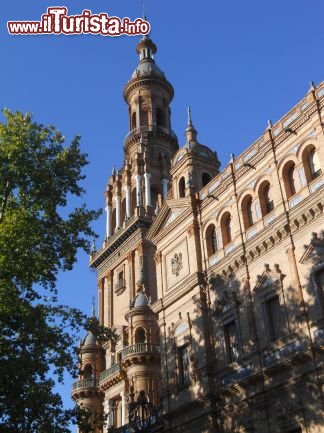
[(269, 124), (189, 116), (93, 310), (114, 171), (312, 85), (144, 13), (232, 158)]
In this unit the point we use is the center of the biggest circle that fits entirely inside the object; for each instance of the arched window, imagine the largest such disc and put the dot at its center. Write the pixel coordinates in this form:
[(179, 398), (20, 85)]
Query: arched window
[(247, 212), (182, 187), (133, 124), (211, 240), (160, 117), (140, 335), (265, 198), (88, 371), (290, 178), (226, 228), (205, 178), (311, 163)]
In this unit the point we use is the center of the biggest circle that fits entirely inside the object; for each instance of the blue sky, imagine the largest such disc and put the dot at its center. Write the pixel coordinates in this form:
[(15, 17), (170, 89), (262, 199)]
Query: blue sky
[(236, 63)]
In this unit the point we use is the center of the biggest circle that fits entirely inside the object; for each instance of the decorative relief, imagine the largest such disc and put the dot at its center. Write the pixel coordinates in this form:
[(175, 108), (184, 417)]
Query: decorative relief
[(176, 264)]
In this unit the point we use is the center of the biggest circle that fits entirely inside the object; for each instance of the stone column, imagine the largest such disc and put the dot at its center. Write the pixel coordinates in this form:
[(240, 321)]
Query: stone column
[(165, 184), (118, 211), (123, 407), (108, 221), (109, 413), (128, 201), (147, 178), (138, 178)]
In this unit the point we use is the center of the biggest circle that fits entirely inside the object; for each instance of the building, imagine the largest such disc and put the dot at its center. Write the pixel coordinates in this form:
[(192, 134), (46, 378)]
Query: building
[(213, 278)]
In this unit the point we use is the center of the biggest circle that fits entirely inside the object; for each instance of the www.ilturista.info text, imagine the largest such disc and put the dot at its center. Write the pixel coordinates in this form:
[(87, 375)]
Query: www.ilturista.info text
[(57, 21)]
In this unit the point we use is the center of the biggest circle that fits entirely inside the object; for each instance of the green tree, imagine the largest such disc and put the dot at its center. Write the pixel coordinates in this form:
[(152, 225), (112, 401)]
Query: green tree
[(39, 236)]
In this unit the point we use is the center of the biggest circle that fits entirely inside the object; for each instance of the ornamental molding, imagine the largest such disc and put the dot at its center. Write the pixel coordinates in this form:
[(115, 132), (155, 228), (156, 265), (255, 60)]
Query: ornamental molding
[(269, 279), (314, 251)]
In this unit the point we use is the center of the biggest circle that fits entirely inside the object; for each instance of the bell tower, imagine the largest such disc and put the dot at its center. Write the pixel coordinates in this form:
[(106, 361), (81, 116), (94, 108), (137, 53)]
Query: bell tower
[(125, 263)]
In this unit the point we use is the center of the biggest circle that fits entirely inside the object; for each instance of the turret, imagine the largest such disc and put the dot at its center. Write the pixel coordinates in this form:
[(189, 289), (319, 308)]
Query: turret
[(193, 166)]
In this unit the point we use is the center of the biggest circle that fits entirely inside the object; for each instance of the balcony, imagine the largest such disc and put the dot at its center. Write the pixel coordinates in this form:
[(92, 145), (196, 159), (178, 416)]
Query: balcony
[(150, 128), (139, 349), (85, 384), (110, 372)]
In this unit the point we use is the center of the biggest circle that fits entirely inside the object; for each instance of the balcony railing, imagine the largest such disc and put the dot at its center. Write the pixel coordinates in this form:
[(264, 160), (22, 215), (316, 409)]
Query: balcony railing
[(85, 383), (150, 128), (109, 372), (140, 348)]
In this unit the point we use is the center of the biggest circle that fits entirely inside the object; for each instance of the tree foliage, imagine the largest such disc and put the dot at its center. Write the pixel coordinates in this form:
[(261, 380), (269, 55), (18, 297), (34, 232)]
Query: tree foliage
[(39, 236)]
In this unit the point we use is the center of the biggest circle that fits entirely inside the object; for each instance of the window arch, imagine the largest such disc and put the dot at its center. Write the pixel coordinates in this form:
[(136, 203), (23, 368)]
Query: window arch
[(140, 335), (265, 198), (311, 163), (226, 227), (211, 240), (247, 211), (88, 371), (205, 178), (182, 187), (290, 179)]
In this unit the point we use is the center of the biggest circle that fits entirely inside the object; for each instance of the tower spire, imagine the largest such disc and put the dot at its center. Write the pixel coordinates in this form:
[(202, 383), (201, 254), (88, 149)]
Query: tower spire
[(93, 309), (191, 132), (189, 116)]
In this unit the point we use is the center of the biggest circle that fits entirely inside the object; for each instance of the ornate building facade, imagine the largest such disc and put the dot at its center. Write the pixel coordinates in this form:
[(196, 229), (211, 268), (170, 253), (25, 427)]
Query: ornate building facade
[(214, 279)]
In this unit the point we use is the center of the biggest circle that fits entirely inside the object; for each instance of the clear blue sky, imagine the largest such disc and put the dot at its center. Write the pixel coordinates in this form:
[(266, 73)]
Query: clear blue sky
[(237, 63)]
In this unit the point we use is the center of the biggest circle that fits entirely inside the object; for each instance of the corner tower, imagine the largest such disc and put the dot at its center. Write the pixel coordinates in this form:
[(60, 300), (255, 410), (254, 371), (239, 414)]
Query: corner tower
[(125, 262)]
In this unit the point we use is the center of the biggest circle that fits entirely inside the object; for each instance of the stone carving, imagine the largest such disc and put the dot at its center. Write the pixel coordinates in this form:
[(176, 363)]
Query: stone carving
[(176, 263)]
